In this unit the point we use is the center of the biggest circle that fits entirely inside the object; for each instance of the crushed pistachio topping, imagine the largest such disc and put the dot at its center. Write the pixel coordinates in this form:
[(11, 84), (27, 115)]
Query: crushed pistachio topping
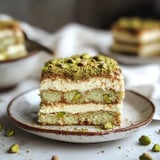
[(80, 66), (10, 132), (14, 148), (156, 148), (145, 156), (137, 23), (144, 140)]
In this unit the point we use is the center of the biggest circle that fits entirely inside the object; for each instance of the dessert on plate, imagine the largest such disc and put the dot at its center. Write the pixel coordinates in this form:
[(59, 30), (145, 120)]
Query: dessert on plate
[(136, 36), (81, 90), (11, 40)]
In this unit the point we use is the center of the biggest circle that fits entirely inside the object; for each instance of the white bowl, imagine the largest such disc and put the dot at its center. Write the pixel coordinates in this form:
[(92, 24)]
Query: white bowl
[(14, 71)]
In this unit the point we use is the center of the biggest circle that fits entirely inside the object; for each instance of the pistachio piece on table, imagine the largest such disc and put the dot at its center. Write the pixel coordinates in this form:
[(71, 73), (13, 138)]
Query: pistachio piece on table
[(10, 132), (156, 148), (14, 148), (144, 140)]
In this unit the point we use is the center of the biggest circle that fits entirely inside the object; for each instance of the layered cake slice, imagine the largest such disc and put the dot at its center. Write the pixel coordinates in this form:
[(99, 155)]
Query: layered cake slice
[(136, 36), (81, 90), (11, 40)]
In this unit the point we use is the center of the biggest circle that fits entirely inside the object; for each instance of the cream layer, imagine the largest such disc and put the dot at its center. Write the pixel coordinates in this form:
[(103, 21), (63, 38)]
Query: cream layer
[(12, 49), (80, 108), (9, 33), (143, 50), (143, 37), (82, 86)]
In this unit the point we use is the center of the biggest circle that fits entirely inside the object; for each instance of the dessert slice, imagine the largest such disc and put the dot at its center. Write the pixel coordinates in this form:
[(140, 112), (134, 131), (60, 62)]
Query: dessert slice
[(81, 90), (11, 40), (136, 36)]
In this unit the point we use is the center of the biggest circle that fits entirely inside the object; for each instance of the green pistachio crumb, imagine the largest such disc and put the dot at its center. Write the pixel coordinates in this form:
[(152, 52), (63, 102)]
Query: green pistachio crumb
[(156, 148), (14, 148), (76, 97), (99, 58), (106, 98), (85, 56), (108, 125), (101, 65), (10, 132), (144, 140), (70, 60), (44, 69), (145, 156), (60, 114)]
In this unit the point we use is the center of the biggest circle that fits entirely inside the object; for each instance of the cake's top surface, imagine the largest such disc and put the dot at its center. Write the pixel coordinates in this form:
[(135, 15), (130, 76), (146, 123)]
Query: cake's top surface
[(136, 23), (79, 67)]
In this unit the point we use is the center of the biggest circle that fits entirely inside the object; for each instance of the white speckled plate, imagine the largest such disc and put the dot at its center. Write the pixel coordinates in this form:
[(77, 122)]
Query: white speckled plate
[(137, 113)]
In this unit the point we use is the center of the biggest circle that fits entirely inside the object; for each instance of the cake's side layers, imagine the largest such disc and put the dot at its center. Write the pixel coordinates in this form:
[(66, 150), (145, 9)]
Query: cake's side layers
[(81, 90), (96, 95), (146, 50), (11, 40), (92, 116)]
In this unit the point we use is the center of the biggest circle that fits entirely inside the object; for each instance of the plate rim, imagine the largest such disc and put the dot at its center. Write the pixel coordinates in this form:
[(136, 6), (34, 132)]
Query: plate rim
[(31, 128)]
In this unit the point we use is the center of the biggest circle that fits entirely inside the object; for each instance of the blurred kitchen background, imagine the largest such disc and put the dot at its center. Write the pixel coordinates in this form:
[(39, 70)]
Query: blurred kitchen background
[(54, 14)]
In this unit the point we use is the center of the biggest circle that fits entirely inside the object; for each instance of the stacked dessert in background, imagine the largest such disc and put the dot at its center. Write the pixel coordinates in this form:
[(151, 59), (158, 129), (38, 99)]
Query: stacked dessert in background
[(11, 40), (81, 90), (135, 36)]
